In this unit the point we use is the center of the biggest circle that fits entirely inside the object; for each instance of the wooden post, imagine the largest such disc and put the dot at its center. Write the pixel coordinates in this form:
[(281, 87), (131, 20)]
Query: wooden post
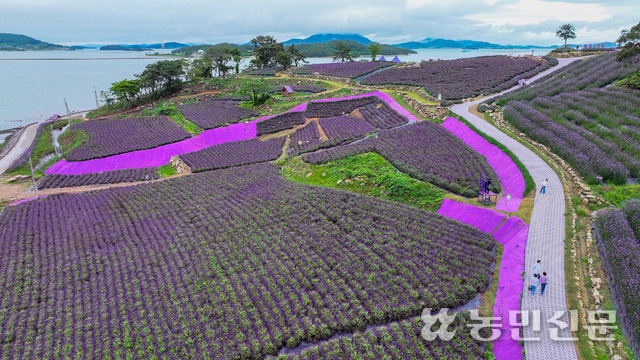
[(33, 177)]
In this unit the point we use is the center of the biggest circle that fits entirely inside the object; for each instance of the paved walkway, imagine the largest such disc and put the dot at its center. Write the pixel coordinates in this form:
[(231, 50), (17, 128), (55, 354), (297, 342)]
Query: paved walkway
[(544, 242), (21, 145)]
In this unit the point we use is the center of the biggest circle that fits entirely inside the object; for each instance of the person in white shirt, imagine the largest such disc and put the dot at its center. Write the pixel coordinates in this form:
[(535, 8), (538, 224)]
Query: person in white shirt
[(544, 186)]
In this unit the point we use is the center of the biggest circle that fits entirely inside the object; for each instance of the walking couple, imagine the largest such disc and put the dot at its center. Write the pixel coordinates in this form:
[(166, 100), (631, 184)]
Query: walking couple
[(537, 279)]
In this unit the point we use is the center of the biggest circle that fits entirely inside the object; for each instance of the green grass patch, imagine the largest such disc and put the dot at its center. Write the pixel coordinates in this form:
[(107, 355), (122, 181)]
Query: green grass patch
[(616, 194), (528, 180), (166, 170), (170, 110), (368, 174), (70, 140)]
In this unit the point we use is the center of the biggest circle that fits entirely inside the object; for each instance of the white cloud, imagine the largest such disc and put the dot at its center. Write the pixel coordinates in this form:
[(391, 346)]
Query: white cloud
[(531, 12)]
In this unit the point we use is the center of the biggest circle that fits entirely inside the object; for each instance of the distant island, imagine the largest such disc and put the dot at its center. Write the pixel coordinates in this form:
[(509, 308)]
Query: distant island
[(17, 42), (121, 48), (430, 43)]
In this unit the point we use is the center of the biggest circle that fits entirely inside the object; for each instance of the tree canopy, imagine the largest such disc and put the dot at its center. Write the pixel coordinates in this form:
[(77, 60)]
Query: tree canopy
[(296, 55), (375, 49), (565, 32), (125, 89), (630, 42), (256, 88), (343, 53), (265, 49)]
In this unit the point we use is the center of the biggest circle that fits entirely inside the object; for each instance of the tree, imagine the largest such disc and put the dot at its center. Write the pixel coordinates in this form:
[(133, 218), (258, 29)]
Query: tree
[(296, 55), (343, 52), (630, 42), (219, 57), (256, 88), (375, 49), (283, 59), (236, 55), (199, 68), (125, 90), (265, 48), (566, 31)]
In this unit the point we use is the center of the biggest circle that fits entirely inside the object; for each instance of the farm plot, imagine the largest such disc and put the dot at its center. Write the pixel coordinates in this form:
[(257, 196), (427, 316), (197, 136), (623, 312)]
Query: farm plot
[(597, 131), (234, 154), (311, 89), (462, 78), (305, 139), (107, 177), (280, 122), (211, 114), (118, 136), (382, 116), (318, 109), (424, 151), (341, 129), (351, 70), (236, 263)]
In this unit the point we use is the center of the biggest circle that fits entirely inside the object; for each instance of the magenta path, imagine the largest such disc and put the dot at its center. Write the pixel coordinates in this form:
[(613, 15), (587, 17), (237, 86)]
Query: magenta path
[(162, 154), (511, 233), (509, 174)]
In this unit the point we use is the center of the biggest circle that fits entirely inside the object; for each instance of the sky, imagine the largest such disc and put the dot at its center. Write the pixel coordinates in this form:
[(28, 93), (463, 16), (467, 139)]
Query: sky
[(517, 22)]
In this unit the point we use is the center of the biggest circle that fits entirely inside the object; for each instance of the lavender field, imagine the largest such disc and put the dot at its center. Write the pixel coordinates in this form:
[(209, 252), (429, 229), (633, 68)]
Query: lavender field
[(424, 151), (382, 116), (351, 70), (338, 107), (280, 122), (462, 78), (209, 114), (107, 177), (118, 136), (234, 153), (593, 72), (341, 129), (618, 239), (235, 263), (305, 139), (597, 130), (399, 340)]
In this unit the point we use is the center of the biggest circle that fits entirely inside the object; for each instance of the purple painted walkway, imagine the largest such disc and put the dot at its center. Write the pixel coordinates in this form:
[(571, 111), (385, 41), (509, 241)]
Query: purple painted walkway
[(510, 176), (513, 235)]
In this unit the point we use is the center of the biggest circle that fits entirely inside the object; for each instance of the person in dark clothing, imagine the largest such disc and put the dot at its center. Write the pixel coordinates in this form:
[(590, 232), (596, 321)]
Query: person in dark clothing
[(487, 185)]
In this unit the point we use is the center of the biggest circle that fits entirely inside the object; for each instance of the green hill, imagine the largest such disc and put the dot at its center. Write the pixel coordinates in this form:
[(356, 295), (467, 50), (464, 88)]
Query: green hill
[(17, 42), (328, 48)]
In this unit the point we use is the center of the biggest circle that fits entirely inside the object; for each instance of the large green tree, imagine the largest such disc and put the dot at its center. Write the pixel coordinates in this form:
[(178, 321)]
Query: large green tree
[(256, 88), (375, 49), (125, 90), (630, 42), (343, 52), (566, 31), (265, 49), (296, 55), (219, 58)]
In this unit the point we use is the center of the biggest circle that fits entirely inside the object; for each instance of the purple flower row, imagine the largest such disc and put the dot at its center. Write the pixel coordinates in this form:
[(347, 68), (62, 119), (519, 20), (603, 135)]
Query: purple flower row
[(461, 78), (234, 263), (398, 340), (351, 70), (118, 136), (425, 151), (382, 116), (341, 129), (299, 88), (620, 251), (588, 158), (318, 109), (305, 139), (107, 177), (280, 122), (209, 114), (234, 154)]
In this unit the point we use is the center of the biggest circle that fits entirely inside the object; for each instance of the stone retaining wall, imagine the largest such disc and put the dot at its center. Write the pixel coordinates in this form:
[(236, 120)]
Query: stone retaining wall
[(428, 111)]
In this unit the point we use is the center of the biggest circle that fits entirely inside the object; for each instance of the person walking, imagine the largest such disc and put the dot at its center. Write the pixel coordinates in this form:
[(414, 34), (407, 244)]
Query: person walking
[(543, 282), (544, 186), (534, 284), (536, 269)]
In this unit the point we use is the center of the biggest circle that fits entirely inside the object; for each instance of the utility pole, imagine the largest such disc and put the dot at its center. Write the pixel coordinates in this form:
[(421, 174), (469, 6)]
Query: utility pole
[(33, 177), (66, 106), (96, 95)]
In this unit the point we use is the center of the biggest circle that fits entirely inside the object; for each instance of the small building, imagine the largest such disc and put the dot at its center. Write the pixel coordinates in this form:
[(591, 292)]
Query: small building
[(286, 90)]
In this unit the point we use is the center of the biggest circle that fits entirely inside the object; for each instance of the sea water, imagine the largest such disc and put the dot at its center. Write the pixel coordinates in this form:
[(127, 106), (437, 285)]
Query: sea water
[(35, 84)]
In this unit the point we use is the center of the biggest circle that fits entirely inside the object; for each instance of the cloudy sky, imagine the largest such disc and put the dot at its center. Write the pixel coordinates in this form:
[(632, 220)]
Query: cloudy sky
[(521, 22)]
